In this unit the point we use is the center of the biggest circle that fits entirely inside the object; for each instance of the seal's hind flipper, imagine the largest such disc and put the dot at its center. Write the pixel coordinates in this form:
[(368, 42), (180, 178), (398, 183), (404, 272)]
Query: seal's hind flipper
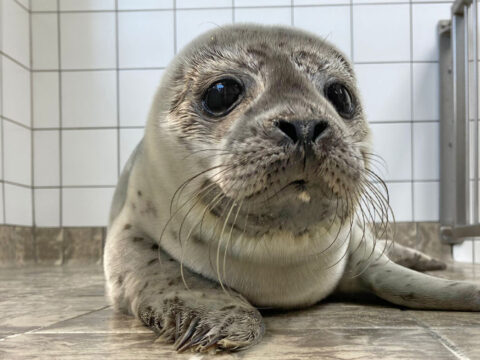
[(410, 258)]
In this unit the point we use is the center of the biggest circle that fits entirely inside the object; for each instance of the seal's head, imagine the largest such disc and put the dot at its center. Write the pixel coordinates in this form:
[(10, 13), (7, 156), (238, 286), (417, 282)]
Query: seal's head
[(274, 117)]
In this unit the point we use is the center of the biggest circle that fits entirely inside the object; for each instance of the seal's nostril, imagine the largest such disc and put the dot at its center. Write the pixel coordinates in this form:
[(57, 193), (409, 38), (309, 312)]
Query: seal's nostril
[(319, 128), (288, 129)]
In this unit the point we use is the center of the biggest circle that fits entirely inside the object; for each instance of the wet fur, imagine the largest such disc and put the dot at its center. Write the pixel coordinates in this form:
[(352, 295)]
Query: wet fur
[(205, 221)]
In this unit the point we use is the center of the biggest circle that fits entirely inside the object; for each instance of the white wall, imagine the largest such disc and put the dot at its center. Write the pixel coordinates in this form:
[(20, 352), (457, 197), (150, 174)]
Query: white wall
[(95, 66), (15, 110)]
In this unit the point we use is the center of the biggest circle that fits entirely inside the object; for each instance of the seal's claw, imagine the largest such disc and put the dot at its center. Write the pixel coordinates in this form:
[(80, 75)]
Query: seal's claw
[(205, 327), (181, 341)]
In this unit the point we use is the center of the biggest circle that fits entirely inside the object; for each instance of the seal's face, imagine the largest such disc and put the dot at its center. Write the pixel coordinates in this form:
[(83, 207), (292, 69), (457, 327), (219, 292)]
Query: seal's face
[(277, 114)]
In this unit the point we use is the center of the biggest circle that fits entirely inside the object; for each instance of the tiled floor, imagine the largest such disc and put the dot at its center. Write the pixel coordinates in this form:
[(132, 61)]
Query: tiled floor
[(60, 313)]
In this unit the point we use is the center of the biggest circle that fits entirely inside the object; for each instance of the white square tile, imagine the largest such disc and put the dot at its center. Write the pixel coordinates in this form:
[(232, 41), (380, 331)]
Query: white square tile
[(320, 2), (44, 5), (45, 99), (68, 5), (381, 33), (1, 150), (18, 153), (463, 252), (185, 4), (24, 3), (425, 92), (129, 139), (18, 205), (472, 149), (16, 32), (46, 160), (426, 201), (44, 41), (425, 18), (47, 207), (2, 213), (380, 1), (89, 98), (16, 92), (394, 144), (137, 88), (381, 87), (426, 151), (145, 4), (86, 207), (400, 195), (87, 40), (191, 23), (332, 23), (262, 2), (265, 16), (89, 157), (145, 38)]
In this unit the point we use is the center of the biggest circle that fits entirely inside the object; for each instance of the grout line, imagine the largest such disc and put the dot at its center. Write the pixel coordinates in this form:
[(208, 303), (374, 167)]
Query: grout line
[(292, 13), (22, 6), (117, 74), (16, 123), (60, 118), (163, 67), (101, 69), (47, 326), (352, 57), (412, 111), (175, 27), (14, 60), (446, 343), (75, 186), (90, 128), (346, 3), (25, 186), (69, 128), (93, 186), (32, 138)]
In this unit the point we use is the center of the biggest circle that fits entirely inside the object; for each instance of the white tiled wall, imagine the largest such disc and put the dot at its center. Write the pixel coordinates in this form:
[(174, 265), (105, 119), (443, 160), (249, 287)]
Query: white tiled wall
[(15, 114), (93, 66)]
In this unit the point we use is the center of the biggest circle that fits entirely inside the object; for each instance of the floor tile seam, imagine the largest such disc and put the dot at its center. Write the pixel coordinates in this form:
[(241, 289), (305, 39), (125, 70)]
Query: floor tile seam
[(40, 328), (443, 340)]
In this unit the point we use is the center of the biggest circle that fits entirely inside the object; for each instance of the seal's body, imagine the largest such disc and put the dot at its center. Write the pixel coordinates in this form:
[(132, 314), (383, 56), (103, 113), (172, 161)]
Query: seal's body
[(252, 187)]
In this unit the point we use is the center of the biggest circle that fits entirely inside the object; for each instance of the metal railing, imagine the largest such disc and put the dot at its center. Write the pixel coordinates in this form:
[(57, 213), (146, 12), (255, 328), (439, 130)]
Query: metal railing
[(459, 121)]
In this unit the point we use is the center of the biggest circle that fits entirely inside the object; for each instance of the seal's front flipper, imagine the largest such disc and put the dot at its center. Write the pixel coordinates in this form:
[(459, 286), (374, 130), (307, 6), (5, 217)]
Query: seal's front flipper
[(202, 321), (146, 282), (402, 286), (409, 257)]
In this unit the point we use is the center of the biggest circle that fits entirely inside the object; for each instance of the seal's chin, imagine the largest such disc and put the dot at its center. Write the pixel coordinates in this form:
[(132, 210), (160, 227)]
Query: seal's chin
[(295, 207)]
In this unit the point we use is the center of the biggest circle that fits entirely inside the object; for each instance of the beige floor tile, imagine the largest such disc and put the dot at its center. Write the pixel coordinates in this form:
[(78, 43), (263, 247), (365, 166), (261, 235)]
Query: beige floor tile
[(465, 339), (102, 321)]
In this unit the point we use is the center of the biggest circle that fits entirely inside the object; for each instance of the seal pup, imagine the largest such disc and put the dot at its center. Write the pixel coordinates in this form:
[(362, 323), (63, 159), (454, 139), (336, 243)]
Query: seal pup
[(252, 188)]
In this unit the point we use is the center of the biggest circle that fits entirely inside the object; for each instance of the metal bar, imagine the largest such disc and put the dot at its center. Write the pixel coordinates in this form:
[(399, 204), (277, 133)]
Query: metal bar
[(460, 232), (476, 147), (455, 88), (466, 59), (447, 126), (459, 6), (461, 153)]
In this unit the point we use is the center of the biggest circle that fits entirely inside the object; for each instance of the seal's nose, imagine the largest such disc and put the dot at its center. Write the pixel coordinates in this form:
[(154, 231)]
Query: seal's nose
[(302, 131)]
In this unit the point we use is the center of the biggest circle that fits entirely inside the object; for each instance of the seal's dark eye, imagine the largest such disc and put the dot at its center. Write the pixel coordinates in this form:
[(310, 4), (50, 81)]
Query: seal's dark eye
[(221, 97), (341, 99)]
